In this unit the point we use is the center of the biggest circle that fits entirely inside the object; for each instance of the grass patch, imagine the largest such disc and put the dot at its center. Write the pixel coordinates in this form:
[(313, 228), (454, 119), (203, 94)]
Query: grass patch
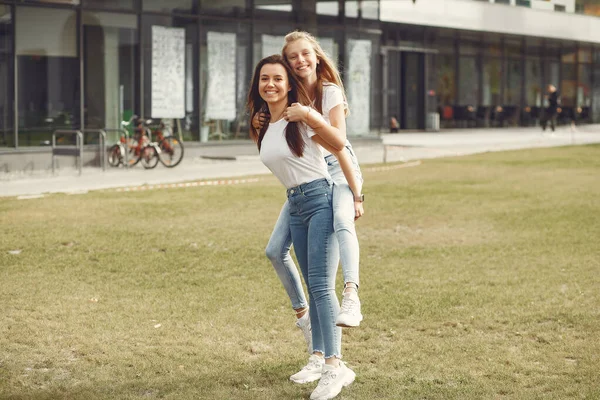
[(479, 280)]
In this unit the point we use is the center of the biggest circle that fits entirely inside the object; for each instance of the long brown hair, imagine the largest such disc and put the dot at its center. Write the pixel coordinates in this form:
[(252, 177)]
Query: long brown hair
[(327, 71), (255, 104)]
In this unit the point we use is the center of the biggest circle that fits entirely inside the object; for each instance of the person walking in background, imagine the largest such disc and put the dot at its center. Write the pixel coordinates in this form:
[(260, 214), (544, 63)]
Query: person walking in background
[(290, 149), (552, 110), (320, 77), (394, 126)]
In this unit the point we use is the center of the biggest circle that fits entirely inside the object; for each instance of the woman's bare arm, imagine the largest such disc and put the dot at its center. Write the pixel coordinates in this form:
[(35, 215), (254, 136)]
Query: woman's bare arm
[(334, 134), (348, 169)]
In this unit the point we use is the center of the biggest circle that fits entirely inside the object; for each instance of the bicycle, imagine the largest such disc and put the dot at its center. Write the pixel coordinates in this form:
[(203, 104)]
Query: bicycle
[(170, 148), (139, 148)]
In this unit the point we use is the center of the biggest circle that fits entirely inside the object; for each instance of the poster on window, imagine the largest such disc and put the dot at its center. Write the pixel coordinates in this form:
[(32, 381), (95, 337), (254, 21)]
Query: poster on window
[(271, 45), (220, 92), (168, 72), (358, 86)]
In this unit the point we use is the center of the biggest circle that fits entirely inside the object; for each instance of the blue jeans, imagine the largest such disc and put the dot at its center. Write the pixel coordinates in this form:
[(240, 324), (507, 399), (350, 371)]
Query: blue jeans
[(278, 248), (311, 227), (343, 216)]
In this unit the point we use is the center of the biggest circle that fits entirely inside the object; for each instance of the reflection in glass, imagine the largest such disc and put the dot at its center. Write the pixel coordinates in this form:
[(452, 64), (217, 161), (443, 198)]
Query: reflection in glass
[(533, 75), (568, 85), (513, 82), (6, 72), (446, 89), (468, 81), (585, 56), (492, 81), (552, 73), (48, 73), (351, 9), (446, 78), (370, 9), (584, 90), (110, 44), (596, 93), (224, 79), (328, 8)]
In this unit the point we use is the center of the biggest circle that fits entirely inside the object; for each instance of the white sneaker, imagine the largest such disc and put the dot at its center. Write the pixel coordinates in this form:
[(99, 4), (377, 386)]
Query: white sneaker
[(349, 315), (333, 381), (311, 371), (304, 324)]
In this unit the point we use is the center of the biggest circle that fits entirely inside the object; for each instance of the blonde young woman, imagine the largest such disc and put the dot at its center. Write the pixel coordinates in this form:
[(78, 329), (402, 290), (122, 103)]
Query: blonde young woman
[(291, 150), (321, 79)]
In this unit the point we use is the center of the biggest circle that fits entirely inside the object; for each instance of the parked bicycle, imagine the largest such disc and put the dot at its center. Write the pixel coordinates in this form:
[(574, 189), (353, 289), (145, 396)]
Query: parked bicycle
[(168, 149)]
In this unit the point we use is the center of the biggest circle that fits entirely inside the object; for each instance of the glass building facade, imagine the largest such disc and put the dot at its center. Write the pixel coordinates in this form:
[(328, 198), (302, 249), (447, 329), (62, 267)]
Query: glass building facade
[(91, 64)]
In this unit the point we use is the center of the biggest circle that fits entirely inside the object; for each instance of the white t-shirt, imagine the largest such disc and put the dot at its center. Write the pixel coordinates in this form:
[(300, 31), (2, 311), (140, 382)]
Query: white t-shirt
[(332, 97), (289, 169)]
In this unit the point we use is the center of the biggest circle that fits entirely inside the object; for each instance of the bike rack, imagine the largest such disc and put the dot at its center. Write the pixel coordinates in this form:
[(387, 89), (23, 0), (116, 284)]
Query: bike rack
[(126, 134), (101, 143), (76, 150)]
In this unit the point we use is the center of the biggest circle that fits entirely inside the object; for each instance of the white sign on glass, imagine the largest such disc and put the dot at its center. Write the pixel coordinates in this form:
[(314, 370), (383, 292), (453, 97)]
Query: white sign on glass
[(168, 72), (220, 93), (358, 86)]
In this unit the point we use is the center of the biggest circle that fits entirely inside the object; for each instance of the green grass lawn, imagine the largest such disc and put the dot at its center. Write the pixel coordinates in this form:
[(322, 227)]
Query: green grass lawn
[(480, 280)]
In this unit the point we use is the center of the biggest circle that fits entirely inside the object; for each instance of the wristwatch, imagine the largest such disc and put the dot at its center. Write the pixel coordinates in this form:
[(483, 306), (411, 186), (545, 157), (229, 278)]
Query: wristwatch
[(360, 198)]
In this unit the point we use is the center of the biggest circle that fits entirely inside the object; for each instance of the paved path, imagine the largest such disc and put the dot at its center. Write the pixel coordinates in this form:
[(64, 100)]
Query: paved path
[(239, 161)]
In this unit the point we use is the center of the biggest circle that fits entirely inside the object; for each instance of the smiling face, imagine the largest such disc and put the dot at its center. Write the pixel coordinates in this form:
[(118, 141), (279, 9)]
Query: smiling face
[(273, 83), (302, 58)]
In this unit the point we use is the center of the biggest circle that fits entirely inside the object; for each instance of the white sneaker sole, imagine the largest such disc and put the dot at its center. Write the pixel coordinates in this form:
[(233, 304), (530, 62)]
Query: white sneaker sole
[(345, 323), (308, 379)]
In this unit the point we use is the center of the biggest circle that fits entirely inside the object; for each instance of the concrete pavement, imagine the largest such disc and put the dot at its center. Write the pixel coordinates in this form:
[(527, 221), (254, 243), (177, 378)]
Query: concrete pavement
[(215, 162)]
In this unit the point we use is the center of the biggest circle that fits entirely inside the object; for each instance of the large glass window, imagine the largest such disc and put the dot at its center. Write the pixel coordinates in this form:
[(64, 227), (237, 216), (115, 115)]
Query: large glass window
[(6, 78), (351, 9), (446, 88), (514, 77), (362, 82), (224, 57), (170, 83), (468, 81), (109, 59), (468, 67), (568, 84), (370, 9), (596, 88), (589, 7), (327, 7), (492, 81), (48, 73), (584, 73), (533, 82)]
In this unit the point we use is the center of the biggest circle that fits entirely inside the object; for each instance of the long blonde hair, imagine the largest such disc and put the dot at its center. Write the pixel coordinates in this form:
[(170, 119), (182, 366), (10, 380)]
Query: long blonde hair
[(327, 71)]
